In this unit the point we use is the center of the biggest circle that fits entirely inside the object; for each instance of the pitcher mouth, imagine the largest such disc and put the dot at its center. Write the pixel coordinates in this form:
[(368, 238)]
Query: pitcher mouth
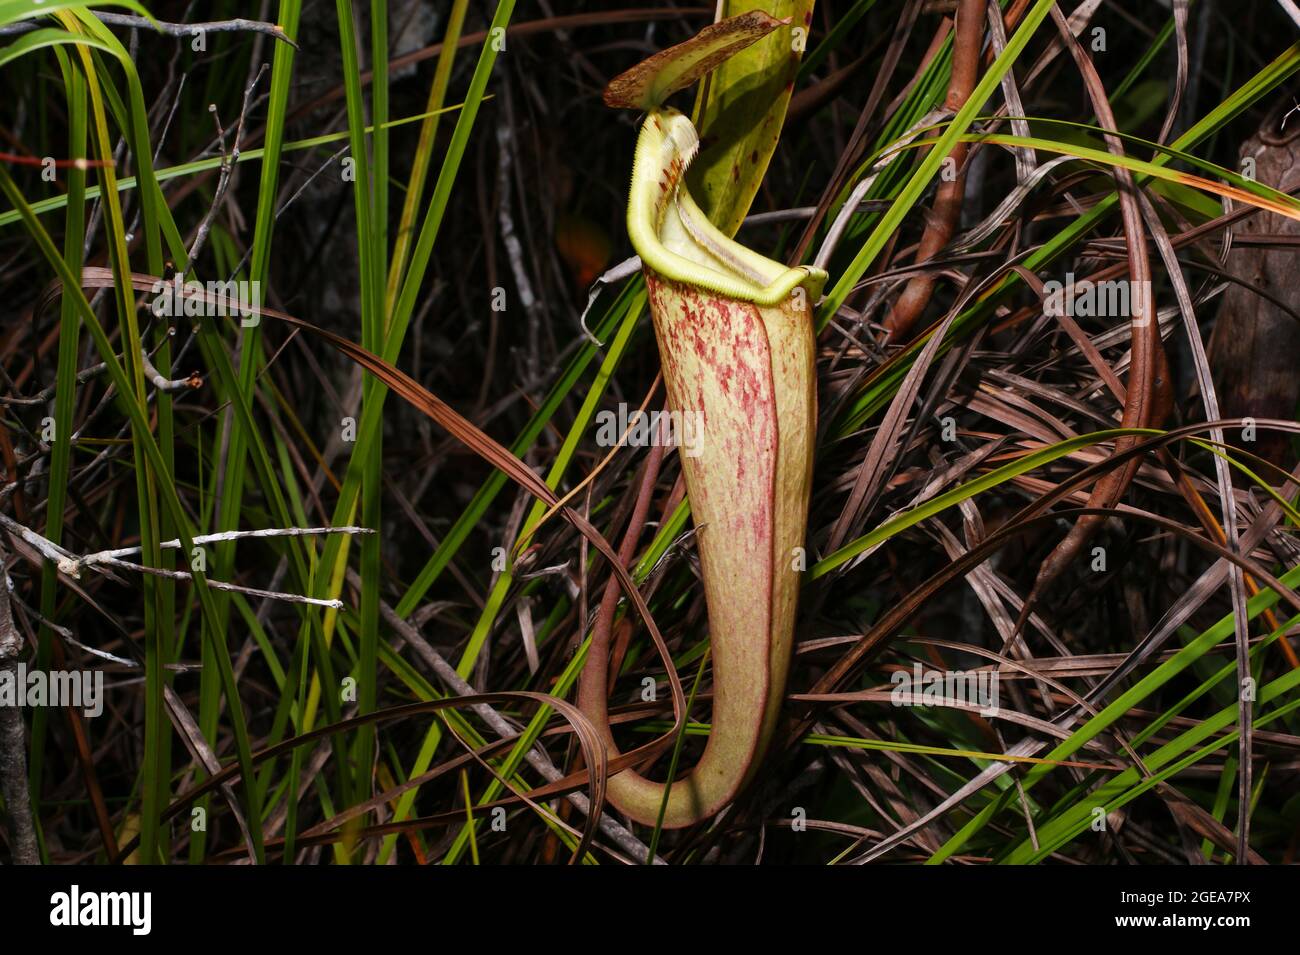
[(674, 237)]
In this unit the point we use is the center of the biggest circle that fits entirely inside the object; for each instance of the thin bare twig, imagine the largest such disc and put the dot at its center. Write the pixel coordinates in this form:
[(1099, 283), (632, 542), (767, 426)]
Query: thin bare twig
[(227, 167), (180, 30), (72, 565), (13, 747)]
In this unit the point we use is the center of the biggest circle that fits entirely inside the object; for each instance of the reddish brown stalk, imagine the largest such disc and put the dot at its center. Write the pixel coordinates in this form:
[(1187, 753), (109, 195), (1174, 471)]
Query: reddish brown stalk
[(946, 213), (1142, 407), (56, 163), (595, 675), (86, 759)]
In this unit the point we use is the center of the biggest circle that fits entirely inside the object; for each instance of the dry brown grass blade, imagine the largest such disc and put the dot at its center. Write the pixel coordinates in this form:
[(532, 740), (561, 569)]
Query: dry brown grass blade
[(1228, 534), (594, 779), (1142, 403), (876, 639), (883, 449), (1180, 79)]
